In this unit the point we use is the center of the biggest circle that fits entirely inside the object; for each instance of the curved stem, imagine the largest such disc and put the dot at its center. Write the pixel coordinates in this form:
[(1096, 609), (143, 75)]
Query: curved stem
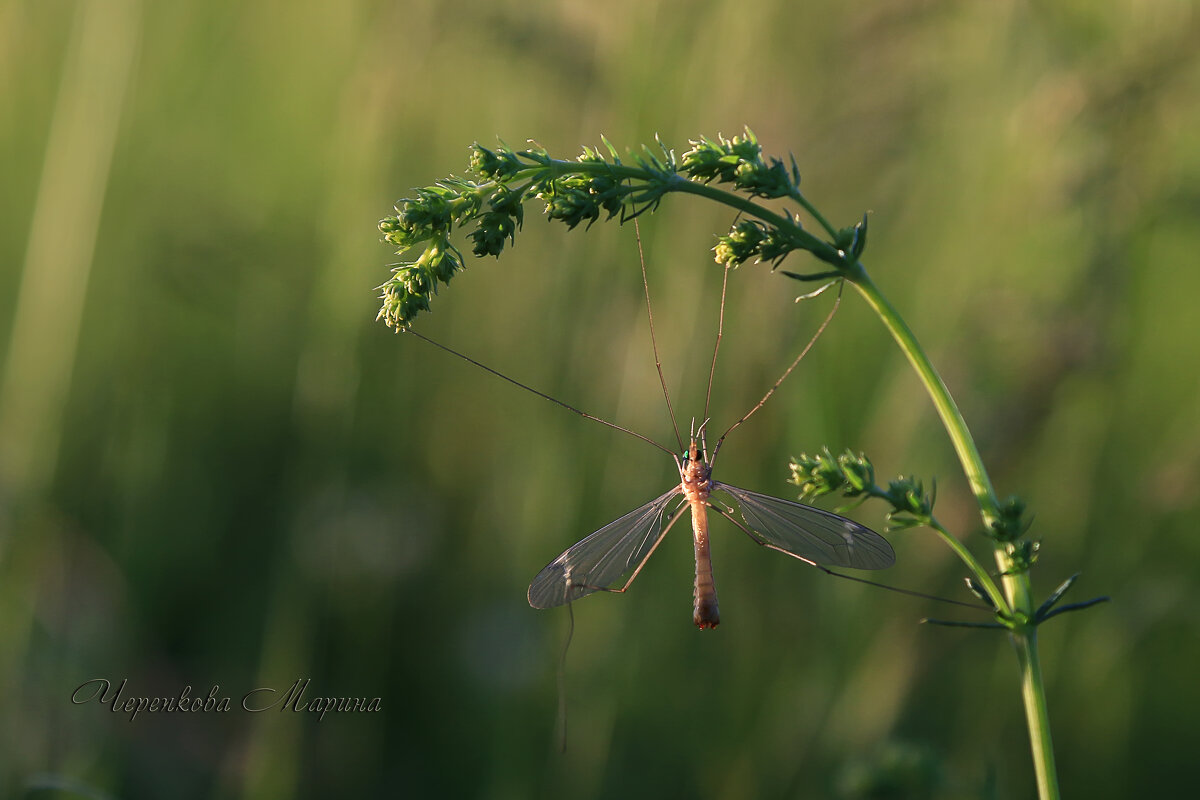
[(999, 599), (956, 426), (678, 183), (812, 210), (1018, 590)]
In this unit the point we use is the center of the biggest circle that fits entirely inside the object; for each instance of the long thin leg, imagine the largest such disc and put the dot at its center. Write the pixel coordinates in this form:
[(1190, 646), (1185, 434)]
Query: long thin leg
[(653, 341), (543, 395), (828, 571), (716, 347), (674, 518), (786, 372), (562, 682)]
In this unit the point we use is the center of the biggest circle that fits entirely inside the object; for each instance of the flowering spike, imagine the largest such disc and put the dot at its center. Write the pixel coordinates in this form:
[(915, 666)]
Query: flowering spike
[(488, 205)]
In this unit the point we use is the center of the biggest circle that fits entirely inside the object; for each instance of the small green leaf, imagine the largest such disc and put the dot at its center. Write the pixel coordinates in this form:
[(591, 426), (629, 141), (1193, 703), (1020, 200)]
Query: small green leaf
[(1054, 597), (859, 241), (1074, 607)]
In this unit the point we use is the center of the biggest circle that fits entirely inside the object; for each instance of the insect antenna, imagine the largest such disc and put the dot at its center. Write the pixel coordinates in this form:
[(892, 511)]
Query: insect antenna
[(653, 341), (828, 318), (699, 433), (543, 395)]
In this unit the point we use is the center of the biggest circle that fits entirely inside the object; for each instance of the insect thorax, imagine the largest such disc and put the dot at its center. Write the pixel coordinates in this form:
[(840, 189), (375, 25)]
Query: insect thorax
[(694, 475)]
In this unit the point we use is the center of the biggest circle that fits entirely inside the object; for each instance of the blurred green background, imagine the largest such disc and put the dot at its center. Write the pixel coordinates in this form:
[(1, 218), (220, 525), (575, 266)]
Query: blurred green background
[(217, 469)]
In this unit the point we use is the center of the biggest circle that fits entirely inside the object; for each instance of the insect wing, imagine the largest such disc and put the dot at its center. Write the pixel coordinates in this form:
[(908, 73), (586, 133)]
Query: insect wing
[(594, 563), (810, 533)]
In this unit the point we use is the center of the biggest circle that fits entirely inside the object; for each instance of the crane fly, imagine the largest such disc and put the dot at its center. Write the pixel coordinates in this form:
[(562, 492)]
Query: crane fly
[(818, 537), (622, 547)]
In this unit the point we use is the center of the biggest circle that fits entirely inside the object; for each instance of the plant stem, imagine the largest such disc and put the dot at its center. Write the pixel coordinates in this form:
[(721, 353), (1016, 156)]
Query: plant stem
[(678, 183), (960, 437), (952, 418), (1018, 599), (964, 555), (1033, 691)]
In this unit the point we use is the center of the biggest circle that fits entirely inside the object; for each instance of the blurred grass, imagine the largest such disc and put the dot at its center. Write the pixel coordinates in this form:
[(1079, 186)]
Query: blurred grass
[(218, 470)]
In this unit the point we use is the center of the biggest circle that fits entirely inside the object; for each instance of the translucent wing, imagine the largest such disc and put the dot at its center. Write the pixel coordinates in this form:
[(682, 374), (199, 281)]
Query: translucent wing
[(596, 562), (809, 533)]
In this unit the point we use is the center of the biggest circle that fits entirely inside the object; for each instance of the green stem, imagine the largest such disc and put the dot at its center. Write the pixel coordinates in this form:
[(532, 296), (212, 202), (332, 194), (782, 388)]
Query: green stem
[(812, 210), (1036, 715), (964, 555), (1016, 583), (813, 244), (678, 183), (956, 426), (960, 437)]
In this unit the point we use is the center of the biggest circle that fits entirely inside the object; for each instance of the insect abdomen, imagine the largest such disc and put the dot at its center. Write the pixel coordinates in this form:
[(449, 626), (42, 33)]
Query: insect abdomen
[(705, 612)]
